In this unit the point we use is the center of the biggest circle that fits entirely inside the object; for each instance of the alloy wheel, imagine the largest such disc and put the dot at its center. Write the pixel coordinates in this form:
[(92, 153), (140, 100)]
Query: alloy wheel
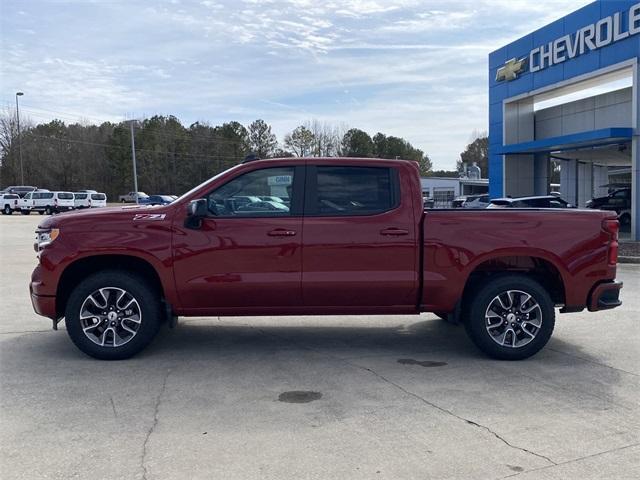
[(110, 317), (513, 318)]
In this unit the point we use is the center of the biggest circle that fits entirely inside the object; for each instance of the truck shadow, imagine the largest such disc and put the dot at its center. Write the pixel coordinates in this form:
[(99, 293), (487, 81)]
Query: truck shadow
[(348, 341)]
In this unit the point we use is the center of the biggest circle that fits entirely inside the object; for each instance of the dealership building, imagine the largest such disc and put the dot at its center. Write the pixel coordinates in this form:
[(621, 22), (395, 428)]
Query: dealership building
[(567, 96)]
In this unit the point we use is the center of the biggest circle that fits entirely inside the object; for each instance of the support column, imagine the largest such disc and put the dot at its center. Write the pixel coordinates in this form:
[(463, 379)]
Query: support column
[(635, 157), (569, 181), (541, 173)]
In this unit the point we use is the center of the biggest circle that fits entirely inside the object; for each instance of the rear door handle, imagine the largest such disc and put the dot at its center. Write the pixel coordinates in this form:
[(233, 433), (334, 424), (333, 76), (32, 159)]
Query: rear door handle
[(281, 232), (394, 231)]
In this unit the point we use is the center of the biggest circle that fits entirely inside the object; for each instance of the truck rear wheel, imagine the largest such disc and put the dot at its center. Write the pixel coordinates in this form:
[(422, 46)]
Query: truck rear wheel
[(511, 317), (112, 315)]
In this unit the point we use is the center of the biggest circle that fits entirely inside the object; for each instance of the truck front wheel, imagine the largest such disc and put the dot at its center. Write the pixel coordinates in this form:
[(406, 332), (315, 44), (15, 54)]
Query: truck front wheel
[(511, 317), (112, 315)]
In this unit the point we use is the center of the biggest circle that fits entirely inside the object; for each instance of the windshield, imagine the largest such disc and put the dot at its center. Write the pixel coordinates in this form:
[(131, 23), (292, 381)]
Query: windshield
[(197, 187)]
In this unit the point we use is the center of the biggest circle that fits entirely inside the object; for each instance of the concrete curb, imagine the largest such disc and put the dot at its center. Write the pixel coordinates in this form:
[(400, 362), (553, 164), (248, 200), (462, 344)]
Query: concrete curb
[(624, 259)]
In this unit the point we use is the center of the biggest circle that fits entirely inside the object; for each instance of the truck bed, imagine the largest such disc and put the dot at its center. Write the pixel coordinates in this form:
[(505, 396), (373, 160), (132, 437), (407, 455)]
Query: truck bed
[(568, 244)]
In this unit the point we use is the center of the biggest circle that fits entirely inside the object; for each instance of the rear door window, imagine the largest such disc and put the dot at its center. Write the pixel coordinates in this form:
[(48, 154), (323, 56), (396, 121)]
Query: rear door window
[(65, 196), (98, 196), (345, 190)]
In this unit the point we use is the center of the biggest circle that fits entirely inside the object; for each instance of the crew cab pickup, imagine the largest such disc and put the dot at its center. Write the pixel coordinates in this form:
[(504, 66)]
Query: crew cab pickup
[(348, 236)]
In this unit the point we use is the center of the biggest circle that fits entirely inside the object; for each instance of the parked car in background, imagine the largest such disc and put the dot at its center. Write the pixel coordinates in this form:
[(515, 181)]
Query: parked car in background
[(98, 200), (9, 203), (81, 200), (546, 201), (618, 201), (20, 190), (476, 201), (156, 200), (458, 201), (44, 201), (263, 206), (131, 197)]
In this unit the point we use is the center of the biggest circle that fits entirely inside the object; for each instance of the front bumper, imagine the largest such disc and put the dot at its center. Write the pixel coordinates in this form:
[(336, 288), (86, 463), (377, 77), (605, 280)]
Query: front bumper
[(605, 296), (44, 305)]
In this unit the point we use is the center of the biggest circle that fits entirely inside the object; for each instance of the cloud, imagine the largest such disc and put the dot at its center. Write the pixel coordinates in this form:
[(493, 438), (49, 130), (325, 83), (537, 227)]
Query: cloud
[(410, 68)]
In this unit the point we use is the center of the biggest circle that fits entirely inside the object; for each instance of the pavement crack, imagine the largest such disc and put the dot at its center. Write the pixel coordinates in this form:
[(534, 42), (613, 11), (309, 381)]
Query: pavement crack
[(412, 394), (573, 460), (152, 428), (113, 407), (449, 412)]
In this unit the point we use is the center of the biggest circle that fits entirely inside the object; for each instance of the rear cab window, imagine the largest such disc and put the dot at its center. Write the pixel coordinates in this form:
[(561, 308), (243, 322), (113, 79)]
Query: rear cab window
[(351, 190)]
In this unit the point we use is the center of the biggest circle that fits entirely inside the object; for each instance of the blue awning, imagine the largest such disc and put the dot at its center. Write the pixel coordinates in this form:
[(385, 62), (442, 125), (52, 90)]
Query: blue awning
[(592, 138)]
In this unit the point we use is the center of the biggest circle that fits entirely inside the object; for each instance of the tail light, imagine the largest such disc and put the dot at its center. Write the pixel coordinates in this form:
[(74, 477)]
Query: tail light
[(612, 226)]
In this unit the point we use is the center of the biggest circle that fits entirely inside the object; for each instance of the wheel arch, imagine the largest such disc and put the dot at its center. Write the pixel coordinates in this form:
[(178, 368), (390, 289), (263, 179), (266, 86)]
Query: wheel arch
[(540, 268), (82, 267)]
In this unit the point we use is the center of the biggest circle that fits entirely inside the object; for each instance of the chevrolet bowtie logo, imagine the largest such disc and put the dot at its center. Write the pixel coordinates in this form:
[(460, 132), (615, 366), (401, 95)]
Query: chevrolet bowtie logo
[(510, 70)]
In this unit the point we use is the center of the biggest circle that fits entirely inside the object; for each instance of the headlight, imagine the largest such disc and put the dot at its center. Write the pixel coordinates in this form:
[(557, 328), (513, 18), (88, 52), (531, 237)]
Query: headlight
[(45, 237)]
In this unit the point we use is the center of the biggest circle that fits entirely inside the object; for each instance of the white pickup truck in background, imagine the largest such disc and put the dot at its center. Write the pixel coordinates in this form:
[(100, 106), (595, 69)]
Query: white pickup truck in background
[(131, 197), (9, 203)]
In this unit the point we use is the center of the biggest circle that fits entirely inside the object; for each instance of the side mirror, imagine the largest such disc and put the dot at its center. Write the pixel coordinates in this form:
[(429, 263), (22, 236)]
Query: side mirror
[(196, 211), (197, 208)]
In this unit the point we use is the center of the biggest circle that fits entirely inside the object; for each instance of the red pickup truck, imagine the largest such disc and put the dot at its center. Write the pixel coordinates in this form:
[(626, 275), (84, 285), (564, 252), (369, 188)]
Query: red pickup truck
[(329, 236)]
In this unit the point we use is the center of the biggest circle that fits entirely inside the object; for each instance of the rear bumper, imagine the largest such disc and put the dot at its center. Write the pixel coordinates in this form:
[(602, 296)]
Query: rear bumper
[(605, 296)]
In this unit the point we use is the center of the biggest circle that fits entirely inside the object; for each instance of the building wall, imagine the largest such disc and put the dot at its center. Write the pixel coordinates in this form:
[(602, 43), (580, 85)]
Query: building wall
[(613, 109)]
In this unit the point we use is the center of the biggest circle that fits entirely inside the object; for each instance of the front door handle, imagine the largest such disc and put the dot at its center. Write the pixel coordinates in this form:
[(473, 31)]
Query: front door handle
[(281, 232), (394, 231)]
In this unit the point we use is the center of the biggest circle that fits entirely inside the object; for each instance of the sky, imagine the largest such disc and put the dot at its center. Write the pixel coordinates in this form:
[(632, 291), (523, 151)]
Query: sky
[(415, 69)]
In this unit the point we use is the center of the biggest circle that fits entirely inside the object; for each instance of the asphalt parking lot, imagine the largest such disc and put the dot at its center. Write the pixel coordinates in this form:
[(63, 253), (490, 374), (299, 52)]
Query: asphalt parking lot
[(315, 397)]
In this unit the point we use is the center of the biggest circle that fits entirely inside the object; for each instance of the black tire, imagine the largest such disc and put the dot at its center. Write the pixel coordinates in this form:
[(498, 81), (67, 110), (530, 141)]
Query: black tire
[(25, 212), (40, 212), (477, 325), (150, 314), (48, 210), (7, 210)]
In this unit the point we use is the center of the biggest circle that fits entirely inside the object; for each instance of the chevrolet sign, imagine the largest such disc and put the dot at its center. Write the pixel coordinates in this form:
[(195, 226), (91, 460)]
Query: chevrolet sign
[(511, 69), (604, 32)]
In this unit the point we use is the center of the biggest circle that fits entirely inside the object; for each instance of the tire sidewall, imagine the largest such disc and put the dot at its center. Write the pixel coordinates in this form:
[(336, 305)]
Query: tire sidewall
[(475, 318), (149, 306)]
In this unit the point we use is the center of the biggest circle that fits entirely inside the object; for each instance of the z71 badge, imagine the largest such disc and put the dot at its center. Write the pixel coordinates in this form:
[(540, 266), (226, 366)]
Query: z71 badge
[(149, 216)]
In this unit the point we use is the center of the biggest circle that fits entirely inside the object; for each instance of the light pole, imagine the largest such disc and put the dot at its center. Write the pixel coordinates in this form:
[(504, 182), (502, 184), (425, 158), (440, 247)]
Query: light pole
[(19, 94), (133, 157)]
